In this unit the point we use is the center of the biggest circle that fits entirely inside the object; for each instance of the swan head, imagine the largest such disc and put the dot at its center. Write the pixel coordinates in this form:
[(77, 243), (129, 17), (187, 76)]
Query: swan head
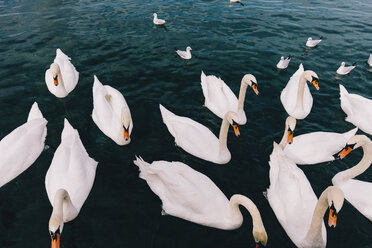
[(125, 119), (188, 48), (55, 230), (232, 118), (353, 143), (260, 236), (312, 77), (250, 80), (55, 71), (290, 124), (335, 198)]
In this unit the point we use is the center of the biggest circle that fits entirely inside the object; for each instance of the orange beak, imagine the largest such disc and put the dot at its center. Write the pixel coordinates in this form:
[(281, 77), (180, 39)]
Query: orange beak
[(55, 81), (254, 87), (345, 152), (290, 137), (236, 130), (315, 83), (258, 245), (55, 240), (126, 134), (332, 219)]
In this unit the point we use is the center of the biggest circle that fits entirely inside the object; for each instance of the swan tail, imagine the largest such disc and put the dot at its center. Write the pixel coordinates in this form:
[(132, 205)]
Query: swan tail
[(62, 55), (203, 80), (355, 63), (35, 113), (143, 167), (165, 114), (96, 84), (67, 130), (345, 103)]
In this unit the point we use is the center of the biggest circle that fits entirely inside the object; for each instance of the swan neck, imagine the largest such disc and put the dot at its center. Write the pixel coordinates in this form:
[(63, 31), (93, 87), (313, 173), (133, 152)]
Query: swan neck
[(284, 140), (301, 89), (223, 134), (242, 93), (60, 196)]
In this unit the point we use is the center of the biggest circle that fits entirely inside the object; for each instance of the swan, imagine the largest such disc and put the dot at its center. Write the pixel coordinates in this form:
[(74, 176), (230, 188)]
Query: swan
[(357, 109), (197, 139), (20, 148), (62, 77), (313, 43), (237, 1), (191, 195), (157, 21), (220, 99), (294, 202), (184, 54), (370, 59), (283, 63), (111, 113), (343, 70), (357, 192), (317, 147), (68, 181), (296, 97)]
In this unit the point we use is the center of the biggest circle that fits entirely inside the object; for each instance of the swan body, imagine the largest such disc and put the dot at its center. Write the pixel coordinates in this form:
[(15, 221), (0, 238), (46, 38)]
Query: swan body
[(343, 70), (357, 192), (296, 97), (283, 62), (157, 21), (197, 139), (313, 43), (20, 148), (111, 113), (190, 195), (370, 59), (184, 54), (317, 147), (220, 99), (62, 77), (357, 109), (69, 180)]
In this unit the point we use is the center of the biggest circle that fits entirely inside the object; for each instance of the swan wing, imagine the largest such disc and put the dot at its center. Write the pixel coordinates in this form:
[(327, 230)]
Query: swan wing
[(184, 192), (290, 196), (71, 169), (69, 74), (317, 147), (20, 148)]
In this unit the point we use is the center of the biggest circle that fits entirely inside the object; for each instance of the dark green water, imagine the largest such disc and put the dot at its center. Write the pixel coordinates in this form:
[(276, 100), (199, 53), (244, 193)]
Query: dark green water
[(117, 41)]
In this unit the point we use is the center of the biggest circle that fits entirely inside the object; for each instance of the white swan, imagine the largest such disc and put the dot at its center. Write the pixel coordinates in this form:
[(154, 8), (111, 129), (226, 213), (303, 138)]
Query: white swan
[(357, 109), (343, 70), (294, 202), (296, 97), (313, 43), (370, 59), (62, 77), (157, 21), (197, 139), (68, 181), (283, 62), (190, 195), (111, 113), (20, 148), (220, 99), (357, 192), (184, 54), (317, 147)]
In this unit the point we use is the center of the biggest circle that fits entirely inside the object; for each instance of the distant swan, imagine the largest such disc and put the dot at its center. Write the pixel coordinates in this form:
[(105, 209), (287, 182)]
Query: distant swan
[(343, 70), (313, 43), (20, 148), (157, 21), (184, 54), (283, 62), (296, 97), (111, 113), (220, 99), (62, 77), (197, 139), (191, 195), (357, 192)]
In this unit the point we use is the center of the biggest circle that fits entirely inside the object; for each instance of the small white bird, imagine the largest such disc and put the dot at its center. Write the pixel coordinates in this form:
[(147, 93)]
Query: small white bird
[(236, 1), (343, 70), (283, 63), (158, 21), (312, 43), (370, 59), (184, 54)]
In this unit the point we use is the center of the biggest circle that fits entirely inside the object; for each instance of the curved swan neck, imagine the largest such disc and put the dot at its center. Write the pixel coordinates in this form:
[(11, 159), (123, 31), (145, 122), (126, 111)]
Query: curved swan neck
[(242, 93), (284, 140), (301, 89), (223, 133), (61, 197)]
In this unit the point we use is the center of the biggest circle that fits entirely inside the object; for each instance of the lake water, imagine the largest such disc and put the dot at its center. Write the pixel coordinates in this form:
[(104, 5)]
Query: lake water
[(117, 41)]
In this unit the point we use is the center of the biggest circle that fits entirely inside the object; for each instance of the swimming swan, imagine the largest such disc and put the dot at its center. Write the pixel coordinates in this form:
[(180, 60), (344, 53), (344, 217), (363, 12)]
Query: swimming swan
[(184, 54), (20, 148), (343, 70), (283, 62), (296, 97), (111, 113), (356, 191), (220, 99), (68, 181), (62, 77), (191, 195), (197, 139)]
